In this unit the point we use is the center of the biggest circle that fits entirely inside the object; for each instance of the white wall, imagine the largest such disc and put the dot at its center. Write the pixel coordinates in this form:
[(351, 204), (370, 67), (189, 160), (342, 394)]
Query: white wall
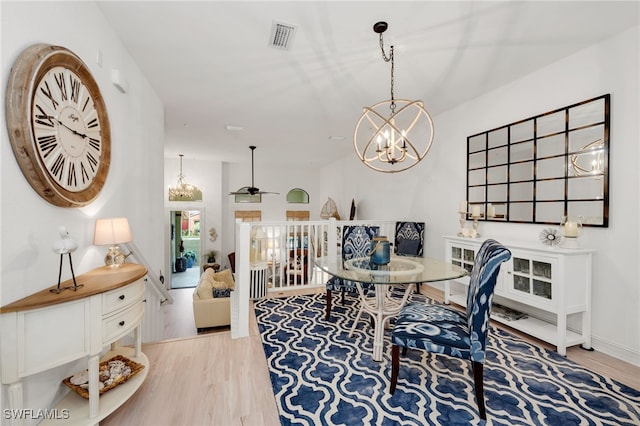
[(432, 190), (273, 206), (28, 224), (206, 175)]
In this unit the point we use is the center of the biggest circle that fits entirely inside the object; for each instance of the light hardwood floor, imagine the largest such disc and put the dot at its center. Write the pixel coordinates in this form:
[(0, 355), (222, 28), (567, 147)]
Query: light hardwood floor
[(211, 379)]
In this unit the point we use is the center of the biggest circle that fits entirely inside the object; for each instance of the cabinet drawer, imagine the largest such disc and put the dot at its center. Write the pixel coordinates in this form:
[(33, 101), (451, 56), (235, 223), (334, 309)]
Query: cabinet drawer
[(122, 297), (119, 324)]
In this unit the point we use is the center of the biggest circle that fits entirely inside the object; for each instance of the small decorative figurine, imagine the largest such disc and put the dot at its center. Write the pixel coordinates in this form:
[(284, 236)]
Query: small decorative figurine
[(65, 245)]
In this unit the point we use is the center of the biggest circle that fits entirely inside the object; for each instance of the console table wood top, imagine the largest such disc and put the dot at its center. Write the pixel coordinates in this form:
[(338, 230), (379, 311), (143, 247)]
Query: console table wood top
[(96, 281)]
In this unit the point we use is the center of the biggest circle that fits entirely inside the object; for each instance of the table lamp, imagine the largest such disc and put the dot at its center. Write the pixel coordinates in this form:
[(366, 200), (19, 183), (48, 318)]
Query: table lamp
[(111, 232)]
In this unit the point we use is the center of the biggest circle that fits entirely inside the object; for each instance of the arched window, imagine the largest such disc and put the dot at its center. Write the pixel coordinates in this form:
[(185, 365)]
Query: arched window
[(297, 195), (245, 197)]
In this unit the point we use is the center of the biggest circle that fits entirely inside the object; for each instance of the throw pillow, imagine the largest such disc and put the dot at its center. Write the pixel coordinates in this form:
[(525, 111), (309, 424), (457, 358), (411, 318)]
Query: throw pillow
[(226, 277), (209, 272), (204, 288), (215, 284), (221, 292)]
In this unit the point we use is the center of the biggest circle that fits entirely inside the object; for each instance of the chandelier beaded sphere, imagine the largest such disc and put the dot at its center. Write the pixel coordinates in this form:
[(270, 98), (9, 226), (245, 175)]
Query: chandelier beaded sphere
[(396, 134)]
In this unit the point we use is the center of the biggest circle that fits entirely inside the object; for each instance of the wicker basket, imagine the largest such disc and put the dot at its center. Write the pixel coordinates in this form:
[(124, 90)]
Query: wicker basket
[(134, 366)]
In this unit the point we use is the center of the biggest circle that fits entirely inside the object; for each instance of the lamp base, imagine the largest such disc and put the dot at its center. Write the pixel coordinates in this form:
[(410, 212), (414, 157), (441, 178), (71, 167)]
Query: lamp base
[(114, 257)]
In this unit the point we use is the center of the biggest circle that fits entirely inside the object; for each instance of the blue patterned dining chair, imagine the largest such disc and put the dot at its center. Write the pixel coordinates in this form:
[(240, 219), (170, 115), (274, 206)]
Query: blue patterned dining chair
[(409, 241), (356, 242), (443, 330)]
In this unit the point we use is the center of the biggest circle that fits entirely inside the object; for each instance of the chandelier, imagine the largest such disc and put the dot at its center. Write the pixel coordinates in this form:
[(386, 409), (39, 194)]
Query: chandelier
[(589, 160), (394, 139), (184, 191)]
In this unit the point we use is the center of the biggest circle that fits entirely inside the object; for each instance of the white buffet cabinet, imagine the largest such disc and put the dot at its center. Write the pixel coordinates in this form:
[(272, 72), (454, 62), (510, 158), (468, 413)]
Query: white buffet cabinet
[(548, 284), (46, 330)]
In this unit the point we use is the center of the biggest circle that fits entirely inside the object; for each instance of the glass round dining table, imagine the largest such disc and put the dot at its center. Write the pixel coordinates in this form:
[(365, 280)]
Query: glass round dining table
[(405, 271)]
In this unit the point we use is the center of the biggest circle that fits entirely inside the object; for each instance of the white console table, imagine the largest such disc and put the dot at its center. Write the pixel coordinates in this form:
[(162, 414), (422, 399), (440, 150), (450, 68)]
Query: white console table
[(556, 282), (46, 330)]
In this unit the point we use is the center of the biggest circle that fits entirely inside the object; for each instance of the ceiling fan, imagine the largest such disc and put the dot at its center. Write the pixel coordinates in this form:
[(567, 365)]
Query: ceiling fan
[(252, 190)]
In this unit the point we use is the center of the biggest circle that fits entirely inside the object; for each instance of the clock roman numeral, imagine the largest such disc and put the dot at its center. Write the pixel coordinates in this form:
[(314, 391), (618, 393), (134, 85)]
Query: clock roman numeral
[(92, 123), (43, 118), (57, 167), (75, 89), (71, 175), (95, 144), (47, 144), (92, 162), (47, 92), (62, 85), (83, 173), (86, 102)]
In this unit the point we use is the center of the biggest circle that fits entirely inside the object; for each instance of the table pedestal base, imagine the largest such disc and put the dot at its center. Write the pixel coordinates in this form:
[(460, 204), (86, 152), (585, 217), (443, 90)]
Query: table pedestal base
[(382, 307)]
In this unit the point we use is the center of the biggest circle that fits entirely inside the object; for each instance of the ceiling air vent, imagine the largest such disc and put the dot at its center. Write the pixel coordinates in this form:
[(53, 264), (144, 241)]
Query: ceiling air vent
[(282, 35)]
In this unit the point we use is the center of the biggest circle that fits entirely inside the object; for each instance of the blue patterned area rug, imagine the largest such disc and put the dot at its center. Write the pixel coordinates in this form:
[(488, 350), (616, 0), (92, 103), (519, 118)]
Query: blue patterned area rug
[(320, 376)]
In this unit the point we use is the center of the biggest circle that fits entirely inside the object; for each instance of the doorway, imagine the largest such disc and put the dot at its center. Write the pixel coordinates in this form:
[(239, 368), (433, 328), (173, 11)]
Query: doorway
[(185, 248)]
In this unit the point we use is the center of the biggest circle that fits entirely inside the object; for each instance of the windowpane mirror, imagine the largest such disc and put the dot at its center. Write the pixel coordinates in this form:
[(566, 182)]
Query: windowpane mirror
[(541, 168)]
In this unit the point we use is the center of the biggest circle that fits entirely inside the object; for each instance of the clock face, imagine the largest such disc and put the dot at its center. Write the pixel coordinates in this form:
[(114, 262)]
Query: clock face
[(66, 129), (58, 125)]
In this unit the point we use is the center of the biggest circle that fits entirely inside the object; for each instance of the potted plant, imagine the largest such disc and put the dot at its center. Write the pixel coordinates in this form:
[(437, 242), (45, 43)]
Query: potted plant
[(211, 256), (190, 255)]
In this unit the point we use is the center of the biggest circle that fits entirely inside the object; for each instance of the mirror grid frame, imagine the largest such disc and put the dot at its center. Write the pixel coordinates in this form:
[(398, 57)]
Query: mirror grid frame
[(541, 168)]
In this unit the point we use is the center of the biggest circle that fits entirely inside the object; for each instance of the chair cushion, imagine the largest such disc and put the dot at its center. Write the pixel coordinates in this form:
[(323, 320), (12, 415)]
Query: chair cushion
[(435, 328)]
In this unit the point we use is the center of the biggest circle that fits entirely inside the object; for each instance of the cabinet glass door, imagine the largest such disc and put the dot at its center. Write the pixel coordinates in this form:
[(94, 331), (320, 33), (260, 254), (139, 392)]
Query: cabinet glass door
[(542, 279), (456, 256), (532, 277), (463, 257)]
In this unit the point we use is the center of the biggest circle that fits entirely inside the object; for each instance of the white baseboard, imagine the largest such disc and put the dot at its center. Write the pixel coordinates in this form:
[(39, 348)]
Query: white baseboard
[(615, 350)]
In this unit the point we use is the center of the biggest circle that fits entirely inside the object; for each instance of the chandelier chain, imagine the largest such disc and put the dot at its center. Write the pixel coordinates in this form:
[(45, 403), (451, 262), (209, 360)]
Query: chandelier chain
[(386, 58)]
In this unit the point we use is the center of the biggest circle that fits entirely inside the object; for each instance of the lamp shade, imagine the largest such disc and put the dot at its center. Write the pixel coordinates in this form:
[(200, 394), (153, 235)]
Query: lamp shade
[(111, 231)]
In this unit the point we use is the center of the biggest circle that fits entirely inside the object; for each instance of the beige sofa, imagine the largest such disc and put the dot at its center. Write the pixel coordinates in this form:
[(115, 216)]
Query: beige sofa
[(210, 311)]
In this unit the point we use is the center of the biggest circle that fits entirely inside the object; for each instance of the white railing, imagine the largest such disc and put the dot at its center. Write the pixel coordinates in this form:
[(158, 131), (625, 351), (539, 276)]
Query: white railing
[(288, 251), (155, 295)]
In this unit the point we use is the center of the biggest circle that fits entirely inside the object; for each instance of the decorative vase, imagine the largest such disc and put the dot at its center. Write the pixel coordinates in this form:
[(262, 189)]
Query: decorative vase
[(380, 254), (181, 264)]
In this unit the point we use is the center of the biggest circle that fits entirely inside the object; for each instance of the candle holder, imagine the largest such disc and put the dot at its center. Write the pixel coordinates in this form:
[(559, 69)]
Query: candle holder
[(571, 229), (463, 220), (475, 233)]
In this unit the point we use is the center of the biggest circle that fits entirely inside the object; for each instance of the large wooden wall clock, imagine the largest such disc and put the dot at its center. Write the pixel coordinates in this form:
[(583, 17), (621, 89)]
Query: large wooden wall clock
[(58, 125)]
